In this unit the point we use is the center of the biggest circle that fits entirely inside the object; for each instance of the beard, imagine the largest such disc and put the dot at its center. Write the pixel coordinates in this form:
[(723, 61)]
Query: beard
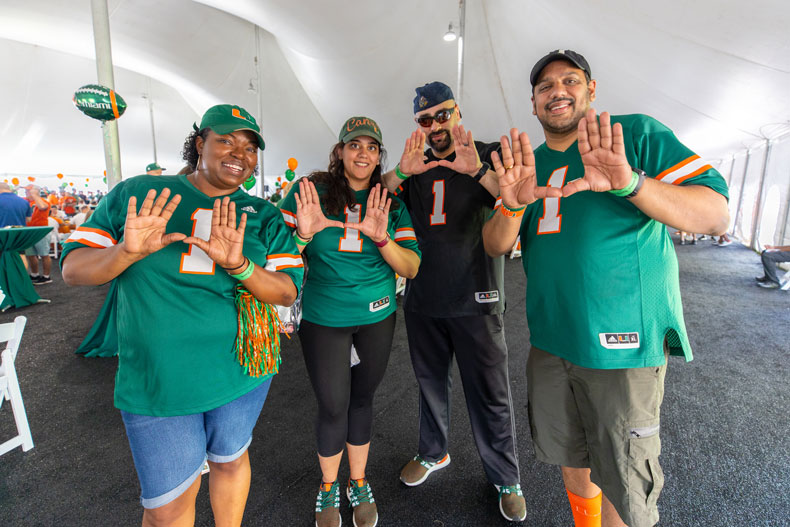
[(440, 141), (564, 125)]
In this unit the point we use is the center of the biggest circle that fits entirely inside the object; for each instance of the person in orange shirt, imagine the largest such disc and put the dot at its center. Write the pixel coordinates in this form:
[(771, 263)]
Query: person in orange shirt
[(39, 273)]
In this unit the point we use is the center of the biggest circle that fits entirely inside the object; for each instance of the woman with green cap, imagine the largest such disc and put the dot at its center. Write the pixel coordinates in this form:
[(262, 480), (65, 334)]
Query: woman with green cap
[(193, 287), (355, 238)]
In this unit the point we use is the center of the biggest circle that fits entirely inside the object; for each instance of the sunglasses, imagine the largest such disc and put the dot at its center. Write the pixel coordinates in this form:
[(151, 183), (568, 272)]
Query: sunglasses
[(441, 117)]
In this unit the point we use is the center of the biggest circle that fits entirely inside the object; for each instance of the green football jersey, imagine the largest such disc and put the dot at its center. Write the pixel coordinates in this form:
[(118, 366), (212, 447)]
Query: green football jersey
[(176, 314), (603, 287), (348, 282)]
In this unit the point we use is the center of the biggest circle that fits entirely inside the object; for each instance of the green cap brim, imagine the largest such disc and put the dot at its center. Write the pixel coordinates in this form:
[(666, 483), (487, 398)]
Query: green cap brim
[(222, 130)]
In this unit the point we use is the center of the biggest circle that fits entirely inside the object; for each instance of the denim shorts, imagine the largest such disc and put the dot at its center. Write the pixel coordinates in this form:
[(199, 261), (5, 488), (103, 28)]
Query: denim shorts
[(169, 452), (41, 248)]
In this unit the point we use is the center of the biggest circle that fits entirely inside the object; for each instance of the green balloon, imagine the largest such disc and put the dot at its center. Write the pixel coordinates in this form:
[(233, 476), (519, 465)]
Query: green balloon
[(86, 184), (64, 185), (104, 179), (249, 183), (99, 102), (289, 175)]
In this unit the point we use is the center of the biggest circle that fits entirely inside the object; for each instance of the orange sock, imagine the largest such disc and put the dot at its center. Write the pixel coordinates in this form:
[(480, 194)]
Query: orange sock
[(586, 511)]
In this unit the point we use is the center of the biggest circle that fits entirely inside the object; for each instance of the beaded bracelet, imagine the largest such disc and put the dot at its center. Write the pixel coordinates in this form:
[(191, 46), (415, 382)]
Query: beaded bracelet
[(246, 273), (512, 213)]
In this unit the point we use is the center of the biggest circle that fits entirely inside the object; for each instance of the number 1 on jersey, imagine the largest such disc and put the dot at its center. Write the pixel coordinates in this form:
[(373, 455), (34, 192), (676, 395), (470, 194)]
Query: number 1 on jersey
[(351, 241), (552, 219), (195, 260), (438, 217)]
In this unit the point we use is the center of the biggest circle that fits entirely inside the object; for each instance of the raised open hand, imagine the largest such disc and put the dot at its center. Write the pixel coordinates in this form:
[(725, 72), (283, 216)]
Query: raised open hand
[(467, 160), (310, 219), (226, 241), (413, 159), (602, 148), (377, 215), (516, 172), (145, 232)]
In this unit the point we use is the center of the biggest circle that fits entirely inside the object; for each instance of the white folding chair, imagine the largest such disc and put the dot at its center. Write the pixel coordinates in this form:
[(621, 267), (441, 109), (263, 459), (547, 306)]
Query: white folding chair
[(784, 282), (11, 333)]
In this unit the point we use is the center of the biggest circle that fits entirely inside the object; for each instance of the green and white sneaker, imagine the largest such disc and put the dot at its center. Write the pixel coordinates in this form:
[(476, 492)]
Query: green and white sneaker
[(360, 498), (511, 502), (327, 505)]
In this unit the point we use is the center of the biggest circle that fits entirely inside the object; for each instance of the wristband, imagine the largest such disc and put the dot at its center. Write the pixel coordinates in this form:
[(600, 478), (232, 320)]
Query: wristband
[(626, 190), (383, 242), (642, 177), (246, 273), (400, 174), (242, 264), (512, 213), (301, 241)]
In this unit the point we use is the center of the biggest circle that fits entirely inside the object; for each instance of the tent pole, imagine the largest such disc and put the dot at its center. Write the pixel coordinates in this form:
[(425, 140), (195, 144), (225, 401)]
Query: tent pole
[(151, 114), (259, 185), (101, 40), (461, 35), (740, 194), (758, 214)]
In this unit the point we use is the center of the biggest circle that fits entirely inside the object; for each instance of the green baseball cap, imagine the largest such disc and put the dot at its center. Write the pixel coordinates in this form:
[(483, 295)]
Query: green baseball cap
[(227, 118), (358, 126), (153, 166)]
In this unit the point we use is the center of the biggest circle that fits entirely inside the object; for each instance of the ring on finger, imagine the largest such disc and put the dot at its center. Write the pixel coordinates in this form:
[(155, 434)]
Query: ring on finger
[(509, 167), (381, 208)]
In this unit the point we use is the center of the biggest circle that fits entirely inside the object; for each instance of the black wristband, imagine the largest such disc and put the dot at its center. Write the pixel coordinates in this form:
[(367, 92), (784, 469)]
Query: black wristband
[(642, 175), (482, 172)]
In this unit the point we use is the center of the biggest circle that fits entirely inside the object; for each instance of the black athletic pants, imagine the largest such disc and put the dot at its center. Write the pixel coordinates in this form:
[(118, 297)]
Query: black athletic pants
[(478, 343), (345, 394)]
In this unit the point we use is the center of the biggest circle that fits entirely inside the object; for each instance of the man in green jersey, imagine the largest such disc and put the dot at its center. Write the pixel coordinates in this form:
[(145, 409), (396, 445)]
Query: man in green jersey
[(603, 301)]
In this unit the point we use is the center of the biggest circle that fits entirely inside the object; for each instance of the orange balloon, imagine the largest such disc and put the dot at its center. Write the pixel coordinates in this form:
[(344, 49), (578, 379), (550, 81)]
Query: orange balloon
[(105, 172), (292, 163), (71, 184), (31, 178), (279, 178), (87, 179), (15, 181), (284, 185), (60, 176)]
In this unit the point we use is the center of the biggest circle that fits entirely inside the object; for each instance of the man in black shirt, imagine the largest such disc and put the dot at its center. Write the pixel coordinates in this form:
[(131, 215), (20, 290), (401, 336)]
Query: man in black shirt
[(454, 306)]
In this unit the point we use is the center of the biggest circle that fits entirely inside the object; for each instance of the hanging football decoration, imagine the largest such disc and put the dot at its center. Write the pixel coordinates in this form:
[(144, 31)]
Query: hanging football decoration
[(99, 102)]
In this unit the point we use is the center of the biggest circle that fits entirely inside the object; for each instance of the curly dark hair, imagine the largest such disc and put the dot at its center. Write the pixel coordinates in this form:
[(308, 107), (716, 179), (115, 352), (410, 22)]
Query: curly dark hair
[(338, 193), (189, 152)]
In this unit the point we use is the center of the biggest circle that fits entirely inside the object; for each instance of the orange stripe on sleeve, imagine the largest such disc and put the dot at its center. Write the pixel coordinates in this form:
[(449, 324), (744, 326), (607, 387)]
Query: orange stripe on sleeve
[(679, 165), (695, 173)]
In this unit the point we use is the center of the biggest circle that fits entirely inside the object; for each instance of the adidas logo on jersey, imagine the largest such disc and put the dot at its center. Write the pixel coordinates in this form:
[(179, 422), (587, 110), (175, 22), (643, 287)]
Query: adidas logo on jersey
[(619, 340), (249, 208), (487, 297), (380, 304)]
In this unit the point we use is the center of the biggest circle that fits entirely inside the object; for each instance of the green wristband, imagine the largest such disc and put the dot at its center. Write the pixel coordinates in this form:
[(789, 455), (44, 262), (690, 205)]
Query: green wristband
[(246, 273), (301, 241), (628, 188), (400, 174)]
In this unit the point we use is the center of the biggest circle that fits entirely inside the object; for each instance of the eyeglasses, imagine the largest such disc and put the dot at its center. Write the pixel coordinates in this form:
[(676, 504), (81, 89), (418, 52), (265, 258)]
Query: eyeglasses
[(441, 117)]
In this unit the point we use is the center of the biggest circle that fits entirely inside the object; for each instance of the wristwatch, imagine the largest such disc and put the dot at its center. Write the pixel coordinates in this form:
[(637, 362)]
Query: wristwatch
[(483, 169)]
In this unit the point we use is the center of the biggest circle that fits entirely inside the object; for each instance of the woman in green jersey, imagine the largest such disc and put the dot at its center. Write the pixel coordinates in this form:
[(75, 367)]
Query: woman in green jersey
[(176, 253), (355, 238)]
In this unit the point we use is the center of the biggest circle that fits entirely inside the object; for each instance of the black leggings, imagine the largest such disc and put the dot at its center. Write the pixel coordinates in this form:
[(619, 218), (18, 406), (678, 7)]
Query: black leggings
[(345, 394)]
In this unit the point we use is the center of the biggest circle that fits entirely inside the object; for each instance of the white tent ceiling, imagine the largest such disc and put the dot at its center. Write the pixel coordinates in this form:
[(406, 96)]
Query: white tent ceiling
[(715, 71)]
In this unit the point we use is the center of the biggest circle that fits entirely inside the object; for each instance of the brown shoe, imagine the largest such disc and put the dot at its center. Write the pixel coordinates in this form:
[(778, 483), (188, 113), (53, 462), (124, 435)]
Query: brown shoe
[(360, 497), (327, 506), (417, 470), (511, 502)]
